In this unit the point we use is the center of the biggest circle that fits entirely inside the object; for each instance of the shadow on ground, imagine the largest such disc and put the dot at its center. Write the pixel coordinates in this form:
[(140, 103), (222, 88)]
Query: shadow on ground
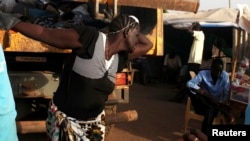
[(158, 118)]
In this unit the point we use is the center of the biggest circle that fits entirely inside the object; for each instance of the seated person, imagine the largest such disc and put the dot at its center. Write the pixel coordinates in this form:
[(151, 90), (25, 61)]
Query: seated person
[(141, 64), (209, 93), (171, 67)]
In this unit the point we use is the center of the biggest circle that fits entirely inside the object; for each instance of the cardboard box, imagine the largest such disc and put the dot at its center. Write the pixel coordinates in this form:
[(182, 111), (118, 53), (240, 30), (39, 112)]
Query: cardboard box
[(240, 94)]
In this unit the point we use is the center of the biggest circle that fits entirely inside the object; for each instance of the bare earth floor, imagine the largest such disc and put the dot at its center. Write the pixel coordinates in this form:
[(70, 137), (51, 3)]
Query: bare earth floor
[(158, 118)]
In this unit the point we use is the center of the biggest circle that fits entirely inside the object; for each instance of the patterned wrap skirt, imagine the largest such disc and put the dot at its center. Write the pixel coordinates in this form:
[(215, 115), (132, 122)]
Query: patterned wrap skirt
[(63, 128)]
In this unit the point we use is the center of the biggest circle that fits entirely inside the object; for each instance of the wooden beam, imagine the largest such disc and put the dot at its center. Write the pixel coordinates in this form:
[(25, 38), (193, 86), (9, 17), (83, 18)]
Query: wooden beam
[(39, 126), (181, 5)]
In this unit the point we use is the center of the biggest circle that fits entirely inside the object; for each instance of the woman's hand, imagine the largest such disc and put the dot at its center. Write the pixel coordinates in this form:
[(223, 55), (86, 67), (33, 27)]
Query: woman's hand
[(142, 47)]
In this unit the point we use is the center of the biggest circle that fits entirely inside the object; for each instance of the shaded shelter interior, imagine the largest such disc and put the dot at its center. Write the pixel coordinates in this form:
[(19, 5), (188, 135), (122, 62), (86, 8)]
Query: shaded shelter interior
[(180, 40)]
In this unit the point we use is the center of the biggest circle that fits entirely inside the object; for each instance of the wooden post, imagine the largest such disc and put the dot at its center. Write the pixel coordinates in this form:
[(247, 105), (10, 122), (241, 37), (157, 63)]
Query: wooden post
[(236, 46), (39, 126), (24, 127), (126, 116), (182, 5)]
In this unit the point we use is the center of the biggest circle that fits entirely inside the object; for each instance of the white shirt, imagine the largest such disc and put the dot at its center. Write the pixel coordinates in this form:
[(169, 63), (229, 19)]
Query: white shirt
[(195, 55)]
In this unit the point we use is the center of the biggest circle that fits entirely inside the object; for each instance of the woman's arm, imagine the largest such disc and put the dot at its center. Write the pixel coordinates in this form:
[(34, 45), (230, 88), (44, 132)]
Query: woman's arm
[(59, 38), (142, 47)]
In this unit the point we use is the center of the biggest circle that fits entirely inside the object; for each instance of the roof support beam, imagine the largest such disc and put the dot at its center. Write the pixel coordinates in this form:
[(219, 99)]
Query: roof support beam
[(181, 5)]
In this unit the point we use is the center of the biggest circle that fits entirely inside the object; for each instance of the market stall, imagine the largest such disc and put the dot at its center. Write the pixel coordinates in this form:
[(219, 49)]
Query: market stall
[(220, 21)]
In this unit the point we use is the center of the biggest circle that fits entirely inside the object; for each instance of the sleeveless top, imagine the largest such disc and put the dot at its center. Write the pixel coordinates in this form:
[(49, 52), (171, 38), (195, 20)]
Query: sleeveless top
[(85, 81)]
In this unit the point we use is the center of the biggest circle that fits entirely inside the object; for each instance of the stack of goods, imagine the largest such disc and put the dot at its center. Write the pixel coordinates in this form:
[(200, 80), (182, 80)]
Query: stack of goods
[(240, 88)]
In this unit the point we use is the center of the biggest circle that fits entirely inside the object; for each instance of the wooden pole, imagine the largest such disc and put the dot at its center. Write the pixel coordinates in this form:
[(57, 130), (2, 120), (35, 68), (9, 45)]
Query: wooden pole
[(236, 40), (126, 116), (39, 126), (182, 5), (24, 127)]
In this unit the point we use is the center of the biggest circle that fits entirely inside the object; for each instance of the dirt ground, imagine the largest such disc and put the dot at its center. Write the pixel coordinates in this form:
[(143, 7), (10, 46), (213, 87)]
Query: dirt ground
[(158, 118)]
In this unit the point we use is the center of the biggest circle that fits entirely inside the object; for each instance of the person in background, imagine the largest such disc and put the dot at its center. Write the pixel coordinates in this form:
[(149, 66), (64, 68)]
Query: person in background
[(196, 51), (77, 107), (7, 104), (171, 67), (184, 75), (145, 72), (206, 60), (209, 93), (183, 91)]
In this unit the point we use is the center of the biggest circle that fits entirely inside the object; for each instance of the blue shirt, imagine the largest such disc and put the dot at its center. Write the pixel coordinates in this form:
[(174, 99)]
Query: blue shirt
[(7, 104), (204, 80)]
